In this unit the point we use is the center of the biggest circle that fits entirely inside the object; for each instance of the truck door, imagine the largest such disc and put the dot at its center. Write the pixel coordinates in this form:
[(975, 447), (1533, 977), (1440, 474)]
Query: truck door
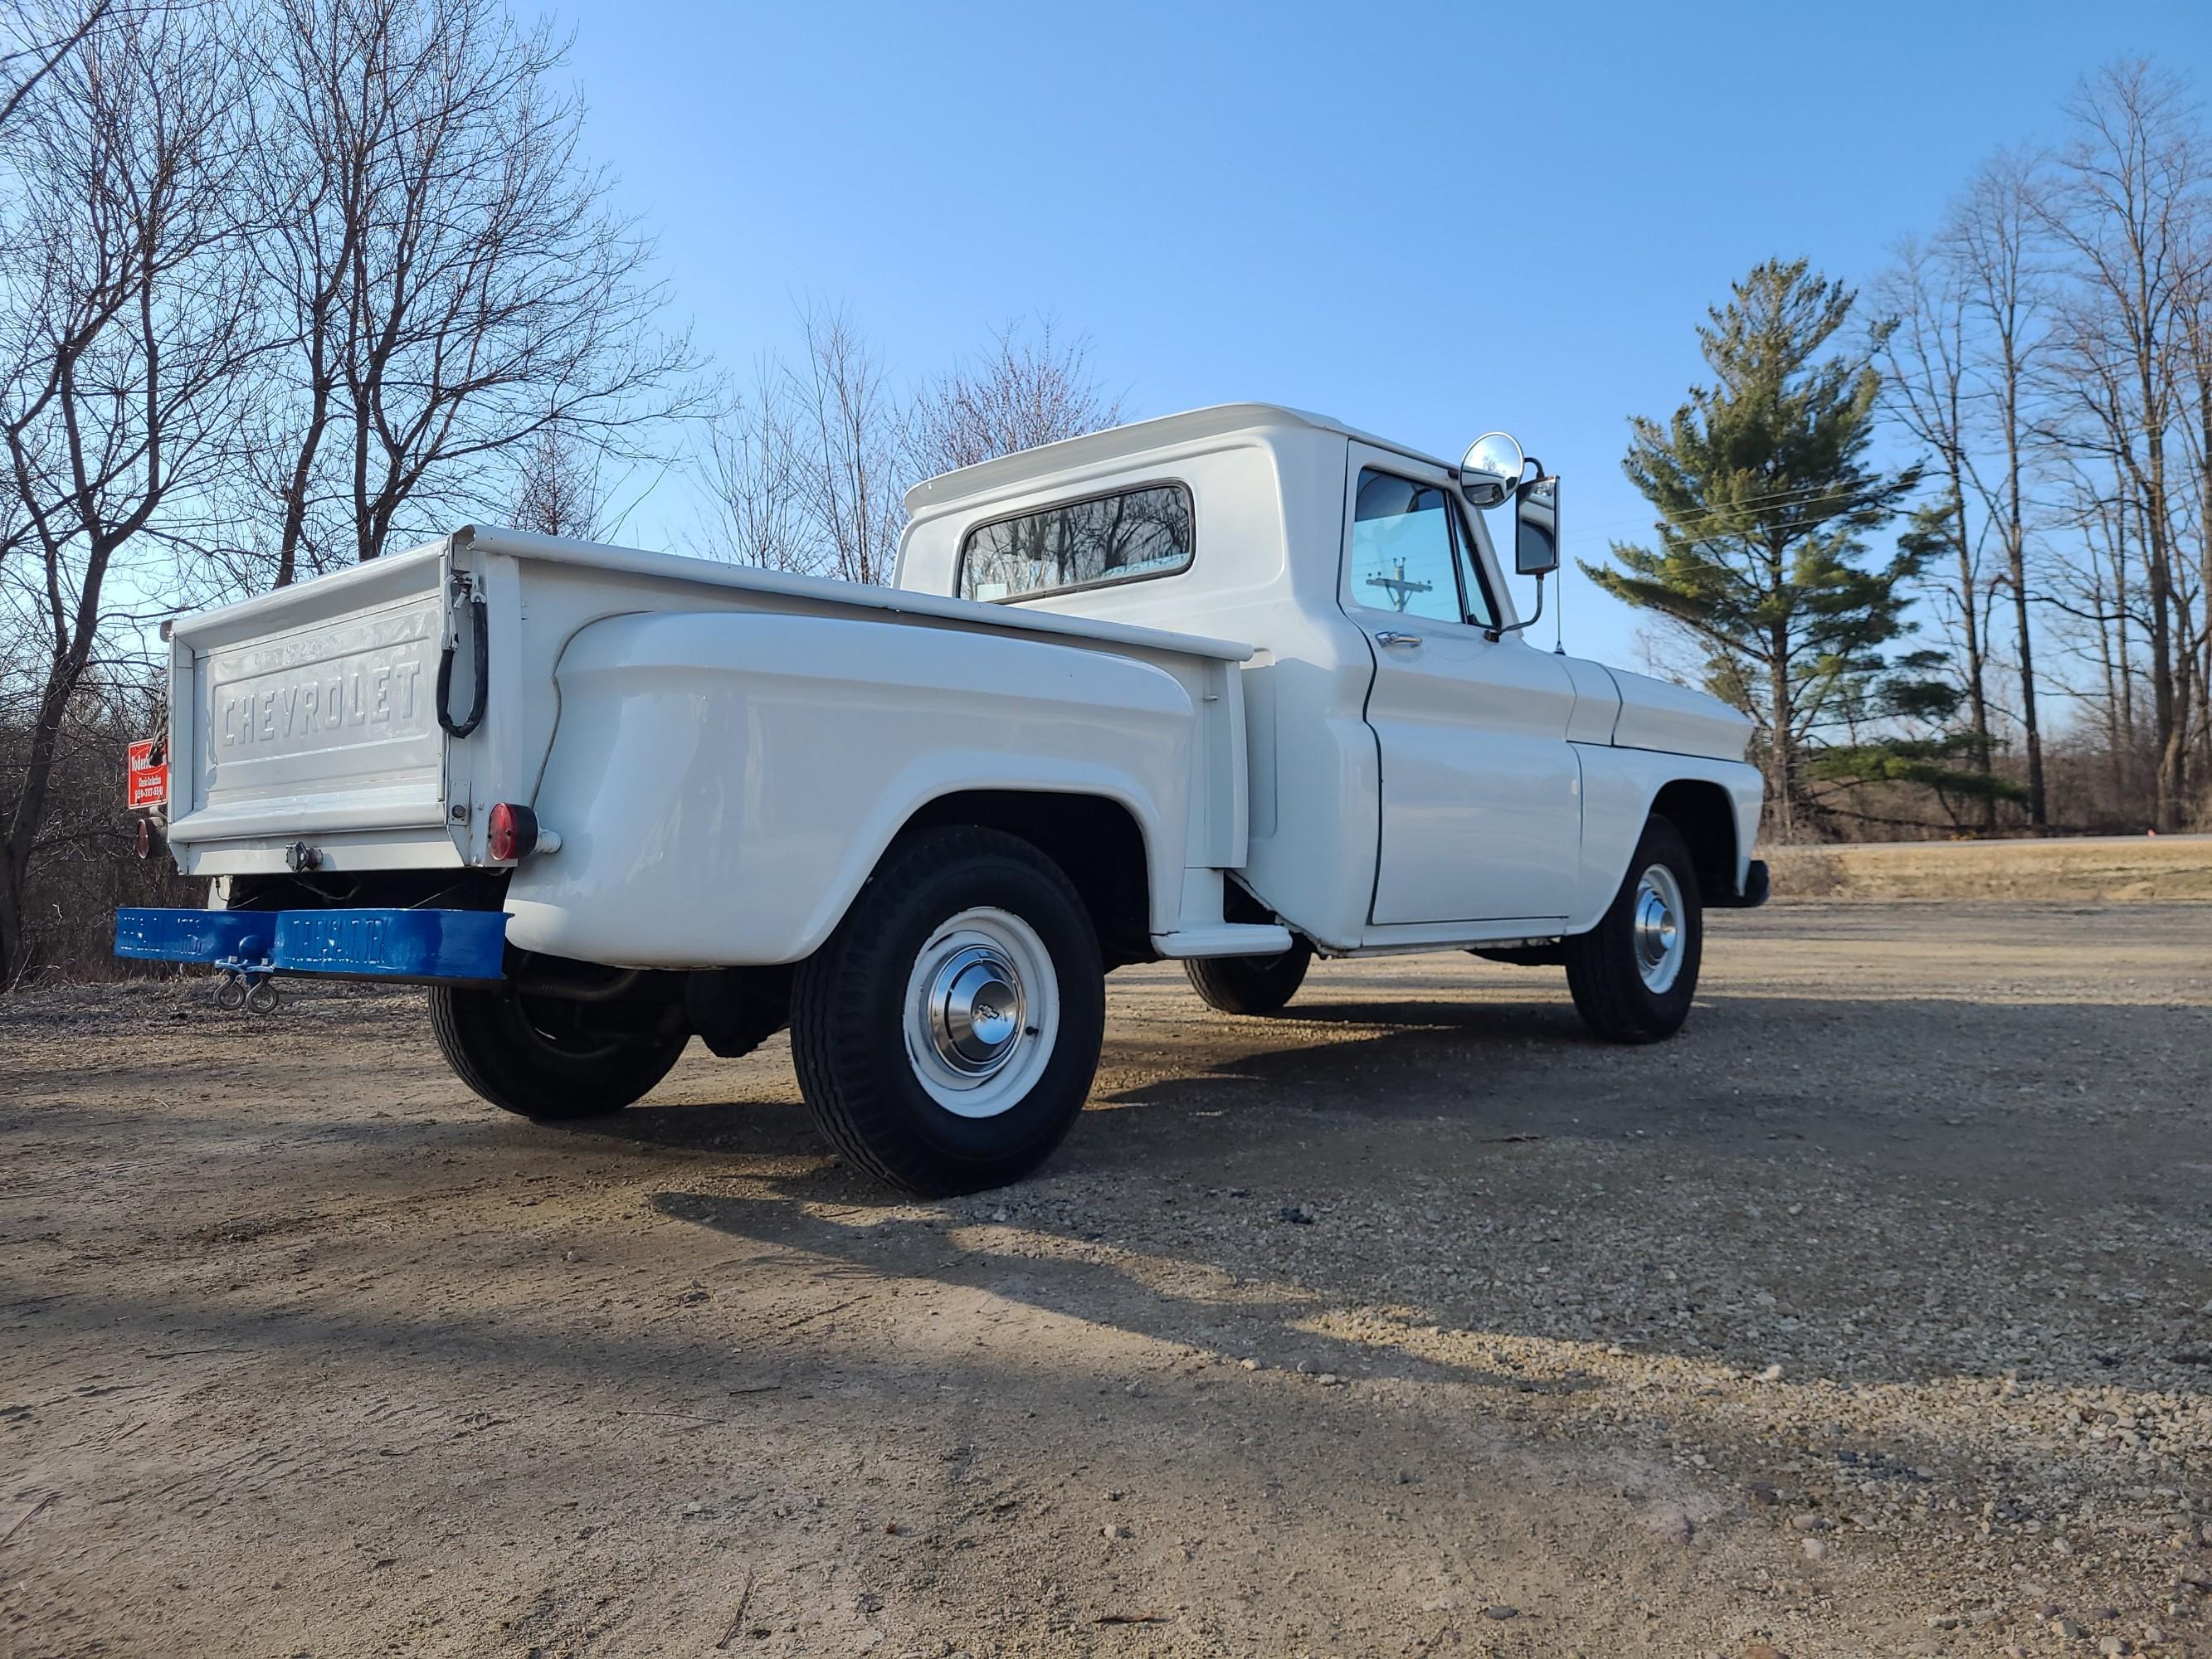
[(1481, 810)]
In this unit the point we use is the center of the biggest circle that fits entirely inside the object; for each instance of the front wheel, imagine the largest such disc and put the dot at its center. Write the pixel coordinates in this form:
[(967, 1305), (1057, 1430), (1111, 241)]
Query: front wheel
[(548, 1057), (1634, 974), (946, 1035)]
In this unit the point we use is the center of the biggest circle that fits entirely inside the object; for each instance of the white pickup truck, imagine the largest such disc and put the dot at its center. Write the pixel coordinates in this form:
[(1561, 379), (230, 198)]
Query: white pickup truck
[(1241, 687)]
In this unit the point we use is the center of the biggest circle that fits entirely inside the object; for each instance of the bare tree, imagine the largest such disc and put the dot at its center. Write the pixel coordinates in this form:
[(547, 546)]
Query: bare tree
[(2196, 375), (1992, 242), (2129, 190), (1922, 343), (1023, 392), (126, 333), (802, 467), (2087, 590), (749, 467), (559, 488), (450, 271), (37, 39), (805, 469), (848, 442)]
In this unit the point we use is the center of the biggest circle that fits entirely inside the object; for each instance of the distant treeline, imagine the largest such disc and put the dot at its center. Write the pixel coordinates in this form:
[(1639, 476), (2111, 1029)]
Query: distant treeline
[(2046, 354)]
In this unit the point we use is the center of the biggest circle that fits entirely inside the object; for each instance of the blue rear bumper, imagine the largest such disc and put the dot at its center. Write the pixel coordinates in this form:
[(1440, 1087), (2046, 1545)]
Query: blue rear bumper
[(403, 944)]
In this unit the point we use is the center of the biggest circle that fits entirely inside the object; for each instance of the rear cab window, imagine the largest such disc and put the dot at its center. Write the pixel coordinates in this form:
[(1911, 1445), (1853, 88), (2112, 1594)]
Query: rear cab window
[(1097, 541)]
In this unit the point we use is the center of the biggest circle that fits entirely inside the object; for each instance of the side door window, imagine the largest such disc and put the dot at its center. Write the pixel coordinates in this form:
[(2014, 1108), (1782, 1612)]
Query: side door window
[(1404, 551)]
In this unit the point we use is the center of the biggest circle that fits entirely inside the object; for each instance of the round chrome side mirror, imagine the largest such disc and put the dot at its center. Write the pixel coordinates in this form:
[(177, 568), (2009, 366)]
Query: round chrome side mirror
[(1490, 470)]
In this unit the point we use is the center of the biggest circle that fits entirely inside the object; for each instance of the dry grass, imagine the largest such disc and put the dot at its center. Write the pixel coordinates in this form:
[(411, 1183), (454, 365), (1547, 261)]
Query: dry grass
[(2103, 869)]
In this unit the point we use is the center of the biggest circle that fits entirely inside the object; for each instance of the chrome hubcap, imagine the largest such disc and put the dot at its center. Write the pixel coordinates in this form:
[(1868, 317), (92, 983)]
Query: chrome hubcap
[(975, 1010), (1658, 928), (982, 1013)]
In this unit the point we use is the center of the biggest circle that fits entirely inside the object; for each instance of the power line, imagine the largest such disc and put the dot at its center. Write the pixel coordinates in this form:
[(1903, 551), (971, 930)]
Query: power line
[(1800, 495), (1749, 504)]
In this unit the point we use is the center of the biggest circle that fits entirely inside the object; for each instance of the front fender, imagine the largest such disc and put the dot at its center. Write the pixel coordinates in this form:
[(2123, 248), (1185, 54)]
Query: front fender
[(1618, 788), (722, 783)]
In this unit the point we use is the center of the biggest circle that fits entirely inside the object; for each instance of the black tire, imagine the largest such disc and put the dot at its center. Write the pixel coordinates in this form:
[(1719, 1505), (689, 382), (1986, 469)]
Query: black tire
[(531, 1055), (1250, 985), (850, 1022), (1604, 969)]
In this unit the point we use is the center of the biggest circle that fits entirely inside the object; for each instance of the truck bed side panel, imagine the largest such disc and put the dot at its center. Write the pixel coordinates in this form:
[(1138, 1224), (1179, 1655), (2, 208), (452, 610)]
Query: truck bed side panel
[(723, 782)]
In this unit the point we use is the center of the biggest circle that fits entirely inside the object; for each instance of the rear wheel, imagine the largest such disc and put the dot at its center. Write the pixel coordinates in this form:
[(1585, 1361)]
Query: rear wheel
[(1250, 985), (550, 1057), (1634, 974), (946, 1035)]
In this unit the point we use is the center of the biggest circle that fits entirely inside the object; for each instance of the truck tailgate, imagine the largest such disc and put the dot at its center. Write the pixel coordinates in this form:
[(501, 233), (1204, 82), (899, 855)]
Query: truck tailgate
[(313, 711)]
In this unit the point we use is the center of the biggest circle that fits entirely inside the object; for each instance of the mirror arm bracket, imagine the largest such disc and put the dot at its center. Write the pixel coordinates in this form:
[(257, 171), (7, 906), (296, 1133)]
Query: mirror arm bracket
[(1500, 630)]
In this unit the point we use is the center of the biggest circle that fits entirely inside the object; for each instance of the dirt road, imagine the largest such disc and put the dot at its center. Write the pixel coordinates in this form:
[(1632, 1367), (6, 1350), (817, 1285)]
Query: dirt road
[(1873, 1316)]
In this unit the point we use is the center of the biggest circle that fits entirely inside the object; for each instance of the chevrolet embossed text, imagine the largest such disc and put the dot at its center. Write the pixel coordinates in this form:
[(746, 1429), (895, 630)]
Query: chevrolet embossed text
[(350, 696)]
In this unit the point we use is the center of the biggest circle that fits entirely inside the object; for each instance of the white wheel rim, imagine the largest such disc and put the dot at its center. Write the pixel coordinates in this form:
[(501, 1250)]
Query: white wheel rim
[(1657, 930), (981, 1013)]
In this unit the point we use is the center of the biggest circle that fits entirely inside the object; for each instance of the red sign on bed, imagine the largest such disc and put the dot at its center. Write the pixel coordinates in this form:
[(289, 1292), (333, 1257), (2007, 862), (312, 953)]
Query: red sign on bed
[(148, 776)]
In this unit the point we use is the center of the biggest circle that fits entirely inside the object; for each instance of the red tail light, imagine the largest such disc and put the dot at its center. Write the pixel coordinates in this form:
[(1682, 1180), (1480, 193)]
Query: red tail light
[(511, 832)]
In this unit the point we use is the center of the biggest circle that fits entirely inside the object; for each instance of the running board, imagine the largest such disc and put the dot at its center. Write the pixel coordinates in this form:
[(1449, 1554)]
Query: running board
[(1231, 938)]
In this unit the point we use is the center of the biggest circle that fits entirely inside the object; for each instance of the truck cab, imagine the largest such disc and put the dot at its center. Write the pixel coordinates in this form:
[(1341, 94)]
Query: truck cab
[(1419, 774)]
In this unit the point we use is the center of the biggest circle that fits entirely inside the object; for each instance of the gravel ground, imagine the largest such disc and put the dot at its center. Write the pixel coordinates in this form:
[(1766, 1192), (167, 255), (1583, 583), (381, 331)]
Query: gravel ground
[(1873, 1316)]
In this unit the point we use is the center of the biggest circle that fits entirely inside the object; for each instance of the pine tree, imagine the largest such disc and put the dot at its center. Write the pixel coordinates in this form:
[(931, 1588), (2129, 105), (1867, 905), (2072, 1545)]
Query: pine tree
[(1764, 491), (1916, 705)]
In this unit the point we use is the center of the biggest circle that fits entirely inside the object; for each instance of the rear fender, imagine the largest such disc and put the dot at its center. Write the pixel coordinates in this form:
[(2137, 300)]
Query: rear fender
[(722, 783)]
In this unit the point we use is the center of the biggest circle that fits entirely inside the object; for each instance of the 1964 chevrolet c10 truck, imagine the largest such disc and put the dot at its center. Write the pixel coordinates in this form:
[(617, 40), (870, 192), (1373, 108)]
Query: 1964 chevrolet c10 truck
[(603, 801)]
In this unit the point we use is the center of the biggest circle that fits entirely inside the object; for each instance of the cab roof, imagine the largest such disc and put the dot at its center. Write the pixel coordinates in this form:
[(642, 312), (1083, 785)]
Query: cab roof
[(1126, 442)]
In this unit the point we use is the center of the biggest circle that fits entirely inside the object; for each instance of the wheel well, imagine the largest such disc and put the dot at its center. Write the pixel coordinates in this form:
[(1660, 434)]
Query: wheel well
[(1094, 841), (1703, 812)]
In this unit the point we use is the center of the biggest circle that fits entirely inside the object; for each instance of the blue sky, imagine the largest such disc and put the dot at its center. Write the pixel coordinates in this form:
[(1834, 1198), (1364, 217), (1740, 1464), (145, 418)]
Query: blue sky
[(1427, 221)]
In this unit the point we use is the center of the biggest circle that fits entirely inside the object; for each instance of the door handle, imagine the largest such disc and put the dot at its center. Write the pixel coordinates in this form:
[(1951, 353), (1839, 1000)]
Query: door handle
[(1397, 639)]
